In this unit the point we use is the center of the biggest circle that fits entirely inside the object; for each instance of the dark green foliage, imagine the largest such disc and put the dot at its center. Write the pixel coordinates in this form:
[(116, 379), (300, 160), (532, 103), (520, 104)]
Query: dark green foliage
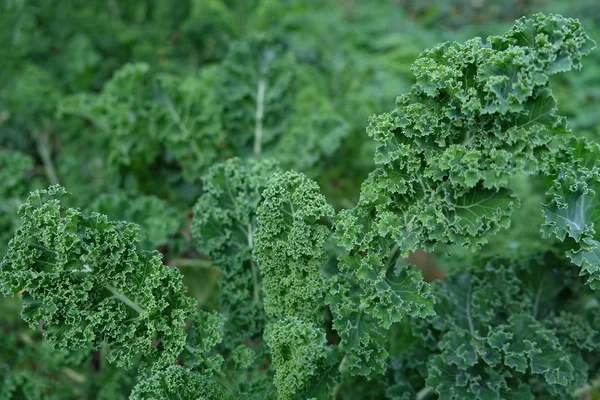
[(289, 250), (224, 225), (478, 114), (138, 112), (177, 382), (15, 168), (573, 209), (156, 218), (513, 329), (32, 369), (289, 246), (84, 277), (227, 138), (296, 347)]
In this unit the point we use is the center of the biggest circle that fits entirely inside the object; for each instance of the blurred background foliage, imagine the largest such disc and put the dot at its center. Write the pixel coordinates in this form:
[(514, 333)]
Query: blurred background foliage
[(128, 103)]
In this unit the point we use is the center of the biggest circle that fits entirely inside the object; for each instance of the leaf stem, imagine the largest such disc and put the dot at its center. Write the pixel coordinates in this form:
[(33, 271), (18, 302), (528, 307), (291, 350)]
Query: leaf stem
[(391, 258), (260, 111), (43, 148), (74, 375), (191, 263), (423, 393), (120, 296)]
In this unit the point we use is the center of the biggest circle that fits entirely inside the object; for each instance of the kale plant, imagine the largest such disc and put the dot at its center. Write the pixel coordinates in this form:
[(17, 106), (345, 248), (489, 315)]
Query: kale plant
[(278, 291)]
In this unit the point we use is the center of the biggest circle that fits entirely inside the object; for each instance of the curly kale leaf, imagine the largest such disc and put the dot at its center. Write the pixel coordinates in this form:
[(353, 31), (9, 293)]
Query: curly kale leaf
[(297, 349), (375, 288), (122, 113), (292, 231), (204, 335), (178, 382), (261, 84), (186, 109), (139, 111), (362, 338), (289, 246), (255, 80), (201, 118), (514, 329), (574, 207), (224, 226), (365, 307), (86, 282), (479, 114)]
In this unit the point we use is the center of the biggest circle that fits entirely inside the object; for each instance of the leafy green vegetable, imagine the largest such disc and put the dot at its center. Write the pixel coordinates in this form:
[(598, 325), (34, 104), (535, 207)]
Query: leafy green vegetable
[(289, 246), (574, 206), (138, 111), (297, 347), (224, 225), (228, 137), (479, 113), (290, 239), (84, 279), (501, 332)]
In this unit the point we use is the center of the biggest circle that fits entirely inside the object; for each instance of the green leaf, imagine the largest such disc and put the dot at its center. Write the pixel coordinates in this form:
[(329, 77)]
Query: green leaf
[(496, 333), (225, 226), (297, 348), (527, 344), (290, 237), (475, 211), (84, 276), (574, 207), (479, 114)]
